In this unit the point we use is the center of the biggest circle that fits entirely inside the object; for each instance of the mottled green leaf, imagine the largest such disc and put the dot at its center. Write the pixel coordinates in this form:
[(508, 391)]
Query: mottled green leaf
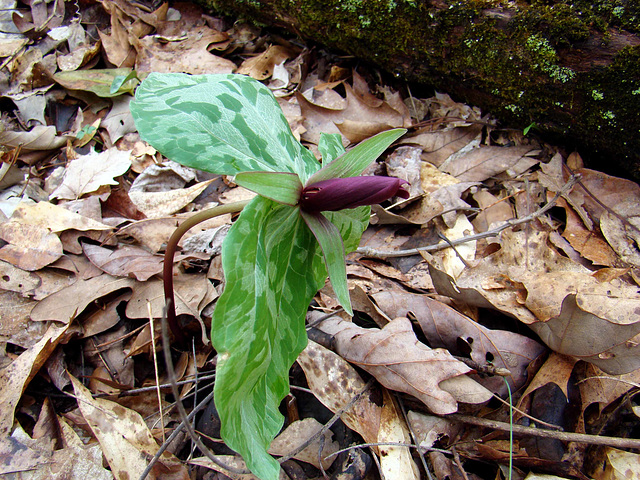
[(330, 147), (224, 124), (278, 186), (330, 241), (120, 80), (353, 163), (258, 324), (352, 223)]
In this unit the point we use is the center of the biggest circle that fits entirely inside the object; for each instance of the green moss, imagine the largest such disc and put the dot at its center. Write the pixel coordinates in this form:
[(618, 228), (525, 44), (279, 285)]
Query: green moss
[(510, 62)]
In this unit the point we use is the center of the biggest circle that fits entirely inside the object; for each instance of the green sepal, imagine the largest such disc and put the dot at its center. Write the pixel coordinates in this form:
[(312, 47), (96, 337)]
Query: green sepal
[(328, 236), (330, 147), (281, 187), (356, 160)]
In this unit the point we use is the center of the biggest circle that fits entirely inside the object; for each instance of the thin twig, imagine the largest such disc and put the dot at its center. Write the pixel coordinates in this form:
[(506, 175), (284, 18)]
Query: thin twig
[(155, 368), (390, 444), (328, 425), (166, 348), (173, 436), (372, 252), (414, 437), (545, 433), (624, 220)]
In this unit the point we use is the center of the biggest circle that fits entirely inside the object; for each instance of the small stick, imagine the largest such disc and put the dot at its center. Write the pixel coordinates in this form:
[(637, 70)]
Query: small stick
[(371, 252), (543, 432)]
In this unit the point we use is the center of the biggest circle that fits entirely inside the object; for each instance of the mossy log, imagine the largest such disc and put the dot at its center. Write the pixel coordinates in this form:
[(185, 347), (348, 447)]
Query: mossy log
[(570, 67)]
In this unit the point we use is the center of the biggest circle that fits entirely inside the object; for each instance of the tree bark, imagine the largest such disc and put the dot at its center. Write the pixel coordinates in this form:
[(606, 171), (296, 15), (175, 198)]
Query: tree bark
[(569, 67)]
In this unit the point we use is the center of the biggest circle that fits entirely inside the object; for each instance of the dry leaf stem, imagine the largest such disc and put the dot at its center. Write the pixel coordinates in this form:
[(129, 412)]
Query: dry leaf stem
[(542, 432), (172, 245), (371, 252)]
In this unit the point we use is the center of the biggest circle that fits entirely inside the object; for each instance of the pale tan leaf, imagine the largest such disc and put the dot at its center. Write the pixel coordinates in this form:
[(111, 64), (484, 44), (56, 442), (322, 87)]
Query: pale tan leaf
[(39, 138), (395, 462), (261, 66), (186, 55), (233, 462), (65, 305), (190, 290), (398, 360), (334, 383), (119, 120), (29, 247), (55, 218), (455, 261), (440, 145), (571, 311), (88, 173), (152, 233), (125, 261), (298, 433), (15, 378), (124, 437), (620, 465), (486, 162), (358, 108), (556, 369), (159, 204), (430, 429)]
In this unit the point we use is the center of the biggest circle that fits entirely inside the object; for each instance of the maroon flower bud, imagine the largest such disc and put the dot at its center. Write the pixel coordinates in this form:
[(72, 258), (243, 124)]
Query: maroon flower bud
[(351, 192)]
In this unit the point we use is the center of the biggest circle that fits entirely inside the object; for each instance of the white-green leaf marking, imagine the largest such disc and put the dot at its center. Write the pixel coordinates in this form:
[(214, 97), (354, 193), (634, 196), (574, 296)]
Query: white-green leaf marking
[(258, 324), (330, 147), (224, 124)]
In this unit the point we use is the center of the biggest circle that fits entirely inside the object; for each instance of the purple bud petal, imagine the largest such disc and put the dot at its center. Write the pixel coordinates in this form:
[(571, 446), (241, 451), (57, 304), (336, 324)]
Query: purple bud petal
[(351, 192)]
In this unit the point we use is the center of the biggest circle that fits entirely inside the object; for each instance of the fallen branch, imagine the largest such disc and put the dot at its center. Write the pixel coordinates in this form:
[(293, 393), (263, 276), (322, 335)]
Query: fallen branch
[(371, 252), (544, 433)]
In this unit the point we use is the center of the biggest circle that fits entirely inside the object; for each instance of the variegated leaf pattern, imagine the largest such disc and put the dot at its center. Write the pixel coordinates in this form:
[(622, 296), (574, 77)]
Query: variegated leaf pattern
[(353, 162), (352, 223), (225, 124), (258, 324), (330, 147)]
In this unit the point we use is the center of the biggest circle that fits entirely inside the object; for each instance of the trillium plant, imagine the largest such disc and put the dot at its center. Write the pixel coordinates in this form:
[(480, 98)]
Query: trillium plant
[(279, 251)]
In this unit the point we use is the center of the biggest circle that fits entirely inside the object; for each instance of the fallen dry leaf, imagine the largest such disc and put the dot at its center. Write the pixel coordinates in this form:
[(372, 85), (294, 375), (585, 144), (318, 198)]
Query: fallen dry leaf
[(159, 204), (261, 66), (188, 54), (445, 327), (399, 361), (487, 162), (360, 117), (124, 437), (125, 261), (395, 462), (560, 300), (88, 173), (619, 465), (29, 247), (15, 377), (68, 303), (54, 217), (334, 382), (298, 433)]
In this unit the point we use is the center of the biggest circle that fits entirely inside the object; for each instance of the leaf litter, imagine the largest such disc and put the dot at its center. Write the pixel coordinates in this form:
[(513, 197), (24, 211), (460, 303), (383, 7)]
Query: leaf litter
[(454, 299)]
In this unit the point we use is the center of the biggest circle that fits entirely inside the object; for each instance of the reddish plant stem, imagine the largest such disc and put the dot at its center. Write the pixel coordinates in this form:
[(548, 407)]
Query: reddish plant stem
[(169, 254)]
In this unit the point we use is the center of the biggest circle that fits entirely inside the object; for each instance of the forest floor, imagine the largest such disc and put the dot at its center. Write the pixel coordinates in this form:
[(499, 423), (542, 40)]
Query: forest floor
[(510, 257)]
